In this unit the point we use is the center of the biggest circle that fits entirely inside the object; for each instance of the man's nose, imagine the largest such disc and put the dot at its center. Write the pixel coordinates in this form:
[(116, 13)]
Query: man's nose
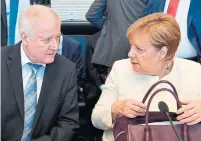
[(54, 44)]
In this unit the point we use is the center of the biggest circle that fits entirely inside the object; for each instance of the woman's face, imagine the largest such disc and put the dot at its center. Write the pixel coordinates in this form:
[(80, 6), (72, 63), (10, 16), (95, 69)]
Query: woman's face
[(143, 56)]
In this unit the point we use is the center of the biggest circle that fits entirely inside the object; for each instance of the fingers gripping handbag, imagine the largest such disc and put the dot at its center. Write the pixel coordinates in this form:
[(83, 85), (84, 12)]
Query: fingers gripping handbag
[(138, 129)]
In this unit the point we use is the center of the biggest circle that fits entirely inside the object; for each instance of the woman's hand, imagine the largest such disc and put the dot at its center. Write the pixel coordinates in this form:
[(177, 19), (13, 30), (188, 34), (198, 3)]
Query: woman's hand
[(129, 108), (190, 112)]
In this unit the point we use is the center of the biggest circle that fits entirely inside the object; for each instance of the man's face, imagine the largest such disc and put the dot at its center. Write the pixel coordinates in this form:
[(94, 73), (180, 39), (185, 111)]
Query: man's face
[(42, 48)]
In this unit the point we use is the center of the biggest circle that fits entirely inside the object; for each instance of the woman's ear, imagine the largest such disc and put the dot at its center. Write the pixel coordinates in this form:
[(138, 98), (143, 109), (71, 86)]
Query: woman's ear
[(163, 52)]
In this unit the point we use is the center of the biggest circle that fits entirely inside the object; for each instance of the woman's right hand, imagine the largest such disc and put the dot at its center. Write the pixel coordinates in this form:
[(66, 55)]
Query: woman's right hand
[(129, 108)]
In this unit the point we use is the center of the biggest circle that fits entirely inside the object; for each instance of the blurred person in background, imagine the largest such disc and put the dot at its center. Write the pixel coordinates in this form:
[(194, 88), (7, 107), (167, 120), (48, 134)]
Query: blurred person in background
[(113, 17), (188, 15), (71, 49)]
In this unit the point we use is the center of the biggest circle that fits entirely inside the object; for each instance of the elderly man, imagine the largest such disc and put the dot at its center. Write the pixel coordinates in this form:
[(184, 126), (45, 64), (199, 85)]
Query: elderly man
[(39, 97)]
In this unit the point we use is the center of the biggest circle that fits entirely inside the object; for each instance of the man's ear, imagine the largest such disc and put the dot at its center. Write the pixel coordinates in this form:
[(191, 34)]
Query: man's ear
[(163, 52), (24, 39)]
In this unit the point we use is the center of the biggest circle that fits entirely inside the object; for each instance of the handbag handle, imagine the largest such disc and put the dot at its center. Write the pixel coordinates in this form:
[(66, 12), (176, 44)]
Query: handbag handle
[(147, 129), (156, 84), (150, 99)]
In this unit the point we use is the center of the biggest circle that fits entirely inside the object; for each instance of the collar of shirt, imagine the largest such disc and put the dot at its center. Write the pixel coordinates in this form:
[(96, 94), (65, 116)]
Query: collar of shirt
[(59, 51), (26, 72)]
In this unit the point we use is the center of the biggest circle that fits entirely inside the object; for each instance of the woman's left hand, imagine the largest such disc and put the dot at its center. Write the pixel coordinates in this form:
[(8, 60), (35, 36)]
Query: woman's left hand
[(190, 112)]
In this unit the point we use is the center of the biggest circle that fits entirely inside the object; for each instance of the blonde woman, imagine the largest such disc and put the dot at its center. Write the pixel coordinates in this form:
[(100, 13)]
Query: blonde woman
[(154, 39)]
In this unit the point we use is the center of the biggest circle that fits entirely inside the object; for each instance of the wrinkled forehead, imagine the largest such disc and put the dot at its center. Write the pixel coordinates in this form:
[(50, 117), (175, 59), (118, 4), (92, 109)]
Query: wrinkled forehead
[(47, 33), (47, 26)]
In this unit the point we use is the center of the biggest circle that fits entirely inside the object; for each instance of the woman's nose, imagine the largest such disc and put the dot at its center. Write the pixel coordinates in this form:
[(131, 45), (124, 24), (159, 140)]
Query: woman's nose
[(131, 53)]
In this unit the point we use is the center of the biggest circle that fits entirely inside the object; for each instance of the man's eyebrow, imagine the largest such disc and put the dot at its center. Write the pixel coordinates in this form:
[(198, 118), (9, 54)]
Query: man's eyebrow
[(47, 38)]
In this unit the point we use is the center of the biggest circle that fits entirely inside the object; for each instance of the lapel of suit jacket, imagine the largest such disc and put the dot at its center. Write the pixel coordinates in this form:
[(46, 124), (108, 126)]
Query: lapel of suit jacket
[(161, 4), (194, 12), (51, 71), (64, 46), (191, 12), (15, 71)]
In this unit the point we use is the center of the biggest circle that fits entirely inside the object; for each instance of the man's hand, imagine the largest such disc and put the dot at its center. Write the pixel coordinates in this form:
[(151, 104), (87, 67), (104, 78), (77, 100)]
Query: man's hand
[(190, 112), (129, 108)]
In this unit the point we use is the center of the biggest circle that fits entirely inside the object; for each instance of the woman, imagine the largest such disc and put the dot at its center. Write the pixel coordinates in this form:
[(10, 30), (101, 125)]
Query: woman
[(154, 40)]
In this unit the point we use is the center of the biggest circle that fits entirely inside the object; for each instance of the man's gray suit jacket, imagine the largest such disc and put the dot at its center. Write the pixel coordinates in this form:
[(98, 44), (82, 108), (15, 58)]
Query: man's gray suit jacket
[(114, 17)]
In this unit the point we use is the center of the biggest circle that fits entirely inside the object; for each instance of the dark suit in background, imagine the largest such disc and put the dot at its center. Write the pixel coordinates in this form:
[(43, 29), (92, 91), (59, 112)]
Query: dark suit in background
[(57, 111), (4, 28), (95, 74), (193, 21), (119, 15), (71, 49), (94, 78)]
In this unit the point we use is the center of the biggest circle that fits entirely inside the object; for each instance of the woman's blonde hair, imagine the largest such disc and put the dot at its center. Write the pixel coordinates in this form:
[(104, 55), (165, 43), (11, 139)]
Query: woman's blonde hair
[(161, 29)]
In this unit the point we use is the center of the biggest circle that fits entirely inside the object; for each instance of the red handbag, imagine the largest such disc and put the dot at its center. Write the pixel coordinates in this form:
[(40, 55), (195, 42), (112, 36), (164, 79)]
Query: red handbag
[(131, 129)]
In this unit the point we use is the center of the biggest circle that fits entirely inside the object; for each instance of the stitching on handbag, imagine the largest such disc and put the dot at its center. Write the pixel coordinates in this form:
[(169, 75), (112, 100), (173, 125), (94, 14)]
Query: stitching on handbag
[(122, 132)]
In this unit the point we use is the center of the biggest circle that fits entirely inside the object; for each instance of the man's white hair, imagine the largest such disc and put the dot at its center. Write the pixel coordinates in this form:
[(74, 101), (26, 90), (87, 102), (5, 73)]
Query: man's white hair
[(30, 15)]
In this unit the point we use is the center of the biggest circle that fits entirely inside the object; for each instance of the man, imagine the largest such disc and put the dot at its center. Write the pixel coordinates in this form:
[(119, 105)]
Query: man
[(10, 10), (95, 74), (187, 14), (71, 49), (93, 82), (38, 91), (113, 17)]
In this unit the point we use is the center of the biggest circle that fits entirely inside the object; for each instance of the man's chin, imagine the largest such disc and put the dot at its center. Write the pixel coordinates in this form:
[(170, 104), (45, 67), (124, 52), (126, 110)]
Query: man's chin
[(49, 61)]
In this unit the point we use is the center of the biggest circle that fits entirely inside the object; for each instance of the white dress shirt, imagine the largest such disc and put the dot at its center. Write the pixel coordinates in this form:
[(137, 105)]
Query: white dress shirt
[(26, 72), (59, 51), (185, 49), (123, 83)]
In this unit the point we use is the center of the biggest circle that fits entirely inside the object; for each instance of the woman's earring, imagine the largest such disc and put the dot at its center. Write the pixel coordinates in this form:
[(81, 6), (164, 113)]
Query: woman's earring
[(168, 68)]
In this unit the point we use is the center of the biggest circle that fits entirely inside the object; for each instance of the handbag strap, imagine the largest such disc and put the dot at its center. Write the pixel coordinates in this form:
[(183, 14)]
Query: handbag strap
[(156, 84), (152, 96)]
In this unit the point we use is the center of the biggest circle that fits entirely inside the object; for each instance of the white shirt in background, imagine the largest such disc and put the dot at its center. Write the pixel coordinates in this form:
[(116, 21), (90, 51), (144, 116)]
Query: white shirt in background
[(185, 49)]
